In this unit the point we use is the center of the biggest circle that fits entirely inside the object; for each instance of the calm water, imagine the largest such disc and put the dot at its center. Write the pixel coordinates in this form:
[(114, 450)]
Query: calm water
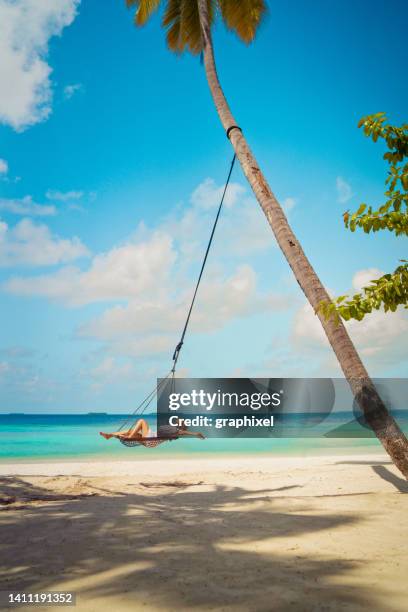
[(77, 436)]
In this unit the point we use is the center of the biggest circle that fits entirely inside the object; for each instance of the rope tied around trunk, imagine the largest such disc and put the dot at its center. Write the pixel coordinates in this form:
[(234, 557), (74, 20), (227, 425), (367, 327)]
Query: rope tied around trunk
[(229, 130)]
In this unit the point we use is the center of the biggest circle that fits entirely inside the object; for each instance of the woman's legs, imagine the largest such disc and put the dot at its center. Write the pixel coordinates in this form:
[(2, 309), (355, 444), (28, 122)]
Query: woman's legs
[(139, 430)]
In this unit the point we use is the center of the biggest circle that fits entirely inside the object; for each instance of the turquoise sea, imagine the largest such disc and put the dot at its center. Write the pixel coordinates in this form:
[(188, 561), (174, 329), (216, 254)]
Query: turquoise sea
[(76, 436)]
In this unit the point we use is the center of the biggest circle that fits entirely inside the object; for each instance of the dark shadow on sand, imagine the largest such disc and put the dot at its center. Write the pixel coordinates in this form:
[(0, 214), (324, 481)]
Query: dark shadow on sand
[(363, 462), (14, 490), (399, 483), (176, 547)]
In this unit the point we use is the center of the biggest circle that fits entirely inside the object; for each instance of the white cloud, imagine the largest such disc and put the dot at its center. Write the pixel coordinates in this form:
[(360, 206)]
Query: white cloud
[(245, 230), (26, 27), (242, 231), (208, 195), (237, 295), (71, 90), (121, 273), (136, 345), (362, 278), (222, 299), (64, 196), (25, 379), (4, 368), (3, 166), (288, 204), (108, 371), (152, 276), (344, 192), (33, 245), (307, 330), (380, 338), (17, 352), (143, 275), (26, 206), (381, 334)]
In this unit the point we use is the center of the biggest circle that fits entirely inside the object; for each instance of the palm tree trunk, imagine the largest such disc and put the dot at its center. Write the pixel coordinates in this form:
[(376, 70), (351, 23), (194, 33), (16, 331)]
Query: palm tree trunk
[(375, 413)]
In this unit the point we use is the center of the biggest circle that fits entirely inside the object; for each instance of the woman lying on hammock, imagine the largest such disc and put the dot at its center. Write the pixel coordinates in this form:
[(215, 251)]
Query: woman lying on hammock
[(141, 430)]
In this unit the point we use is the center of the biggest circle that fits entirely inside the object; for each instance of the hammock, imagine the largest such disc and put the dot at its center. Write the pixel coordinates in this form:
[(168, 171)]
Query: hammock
[(153, 442), (146, 442)]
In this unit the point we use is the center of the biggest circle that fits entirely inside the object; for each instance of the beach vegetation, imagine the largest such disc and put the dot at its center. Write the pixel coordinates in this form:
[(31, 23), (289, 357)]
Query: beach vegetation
[(390, 290)]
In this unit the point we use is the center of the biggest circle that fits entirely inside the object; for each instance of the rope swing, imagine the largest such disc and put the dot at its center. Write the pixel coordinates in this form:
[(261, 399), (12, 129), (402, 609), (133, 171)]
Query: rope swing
[(181, 342), (141, 408)]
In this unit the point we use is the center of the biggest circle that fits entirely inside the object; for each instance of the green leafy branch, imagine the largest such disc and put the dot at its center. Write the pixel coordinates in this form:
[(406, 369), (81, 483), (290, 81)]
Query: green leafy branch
[(391, 290), (374, 220)]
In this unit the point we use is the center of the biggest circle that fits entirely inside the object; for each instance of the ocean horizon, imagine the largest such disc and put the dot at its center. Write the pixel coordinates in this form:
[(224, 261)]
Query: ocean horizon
[(40, 436)]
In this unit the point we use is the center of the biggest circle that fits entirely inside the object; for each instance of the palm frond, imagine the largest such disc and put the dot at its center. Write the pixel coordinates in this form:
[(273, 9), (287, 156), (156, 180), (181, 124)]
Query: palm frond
[(144, 9), (190, 26), (243, 16), (181, 19), (172, 23)]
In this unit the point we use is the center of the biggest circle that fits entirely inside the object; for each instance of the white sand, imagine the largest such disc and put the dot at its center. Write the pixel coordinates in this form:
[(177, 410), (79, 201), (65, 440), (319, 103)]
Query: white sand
[(261, 534)]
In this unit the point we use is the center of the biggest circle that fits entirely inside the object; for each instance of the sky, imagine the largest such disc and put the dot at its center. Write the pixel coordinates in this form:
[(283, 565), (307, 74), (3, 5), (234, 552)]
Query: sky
[(112, 162)]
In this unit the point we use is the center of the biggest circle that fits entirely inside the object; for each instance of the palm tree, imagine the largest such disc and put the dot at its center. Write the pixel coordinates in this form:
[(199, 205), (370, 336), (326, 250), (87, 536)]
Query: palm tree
[(188, 25)]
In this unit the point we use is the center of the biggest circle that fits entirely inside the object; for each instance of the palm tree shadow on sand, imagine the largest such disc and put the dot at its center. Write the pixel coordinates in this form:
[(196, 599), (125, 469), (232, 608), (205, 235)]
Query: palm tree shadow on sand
[(175, 548), (379, 468)]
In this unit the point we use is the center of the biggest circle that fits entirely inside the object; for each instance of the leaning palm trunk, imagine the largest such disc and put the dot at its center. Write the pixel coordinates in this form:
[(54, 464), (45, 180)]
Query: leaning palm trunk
[(375, 413)]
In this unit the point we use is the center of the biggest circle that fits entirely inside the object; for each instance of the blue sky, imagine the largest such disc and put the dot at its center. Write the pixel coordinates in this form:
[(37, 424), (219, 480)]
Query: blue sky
[(112, 162)]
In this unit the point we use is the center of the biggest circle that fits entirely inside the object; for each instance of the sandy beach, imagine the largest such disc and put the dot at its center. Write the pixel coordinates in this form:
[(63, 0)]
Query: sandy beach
[(315, 533)]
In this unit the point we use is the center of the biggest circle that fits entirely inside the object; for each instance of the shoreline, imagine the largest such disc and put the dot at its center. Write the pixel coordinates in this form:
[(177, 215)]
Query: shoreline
[(329, 447), (330, 451), (188, 464)]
